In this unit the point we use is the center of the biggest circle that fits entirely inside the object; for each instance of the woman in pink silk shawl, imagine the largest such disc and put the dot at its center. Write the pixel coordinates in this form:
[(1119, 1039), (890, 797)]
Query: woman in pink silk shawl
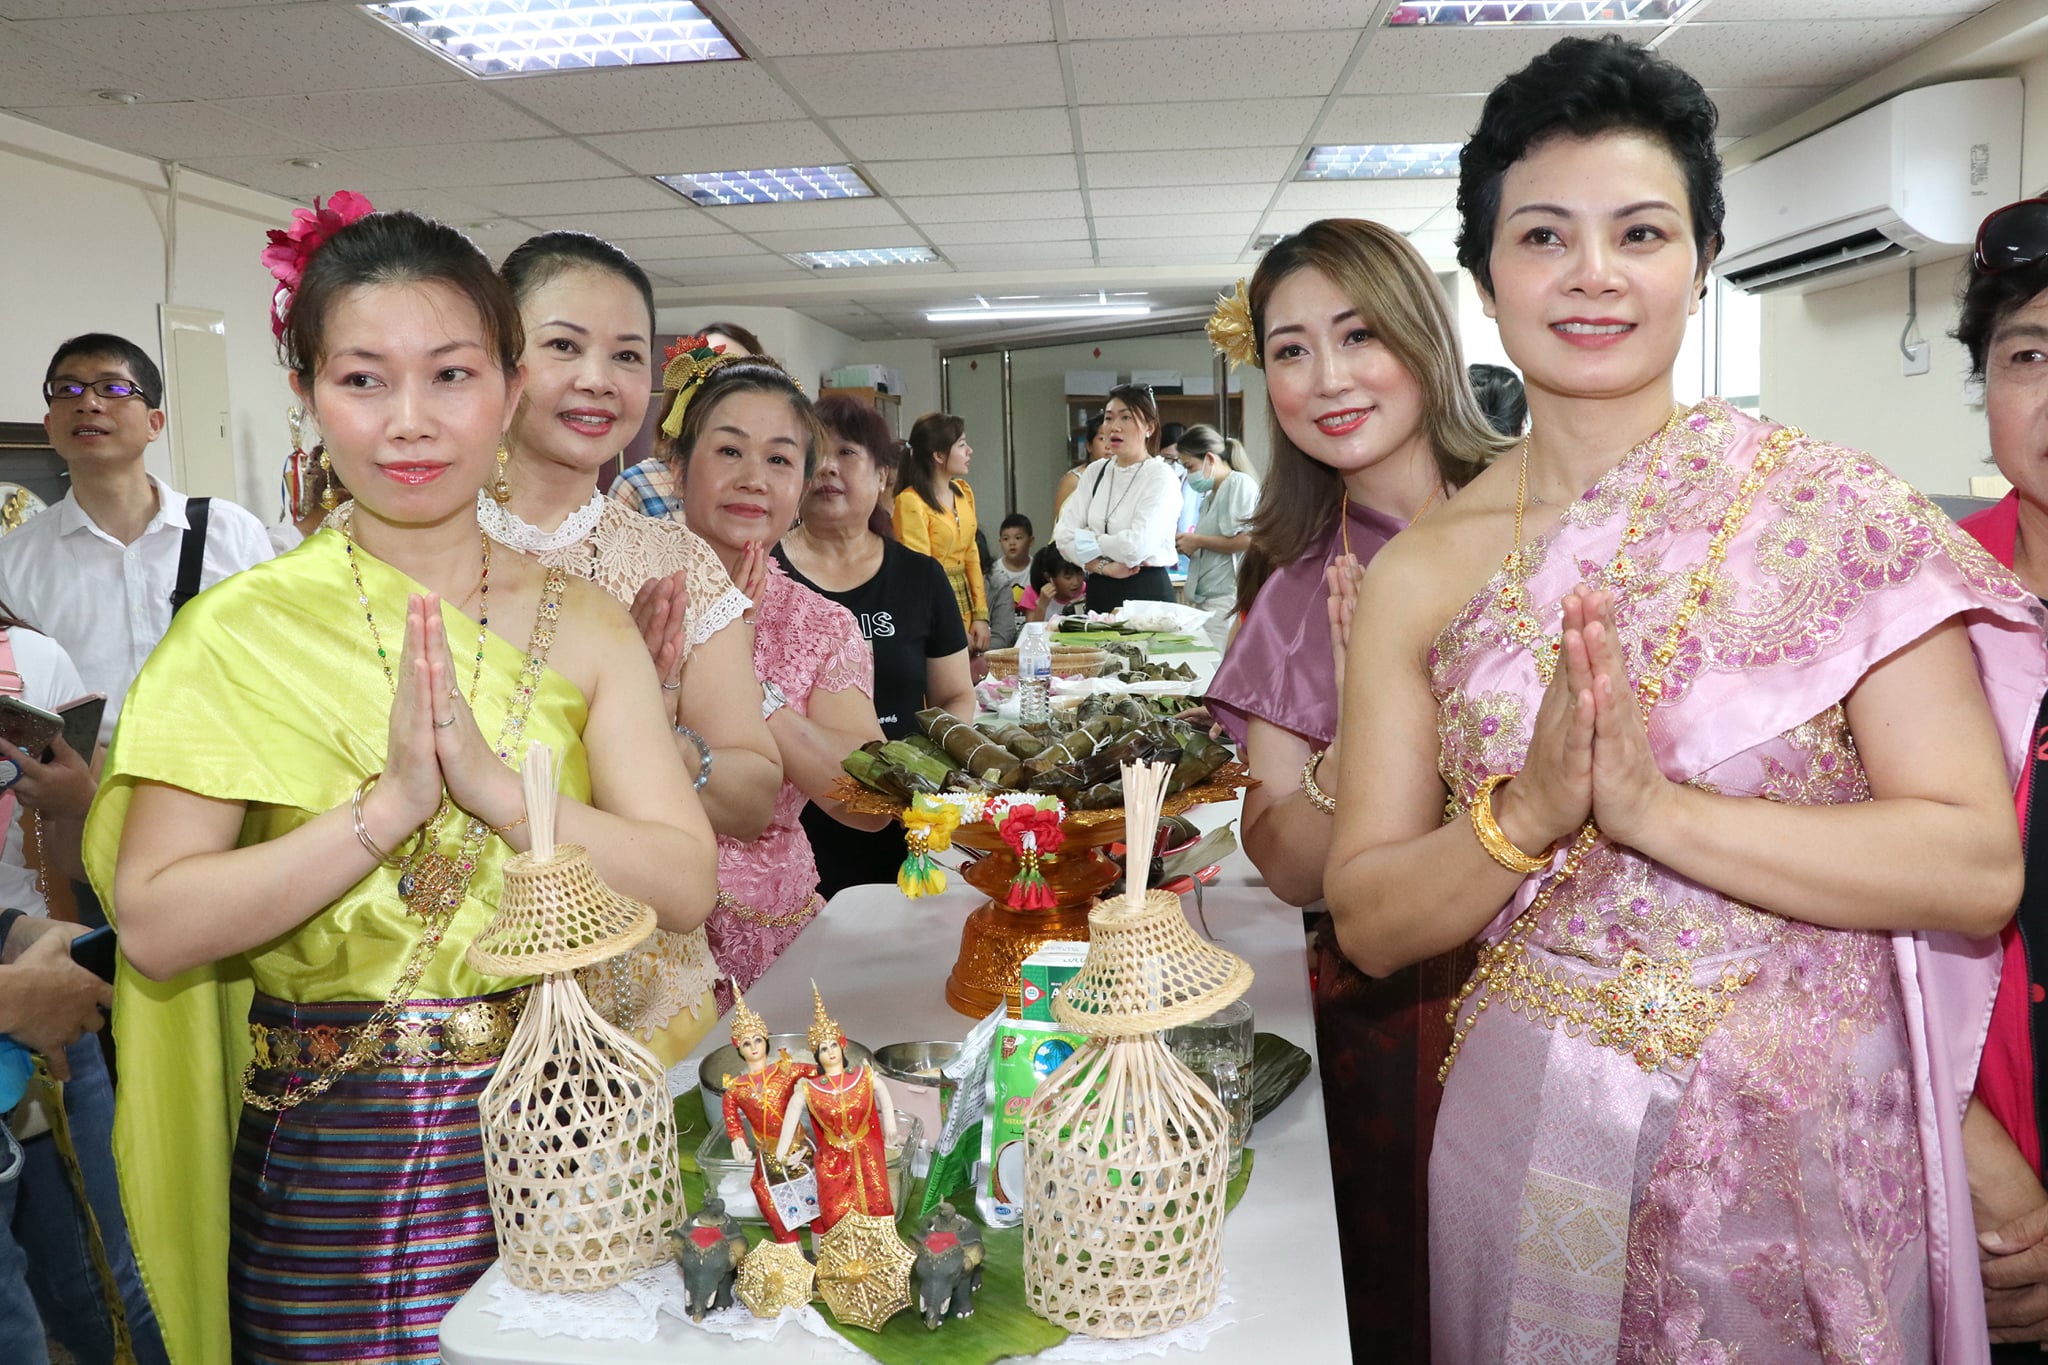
[(1729, 738)]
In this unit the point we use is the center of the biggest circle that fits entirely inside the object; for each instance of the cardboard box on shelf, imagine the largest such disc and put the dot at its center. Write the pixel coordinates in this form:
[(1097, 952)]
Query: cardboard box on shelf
[(1095, 382)]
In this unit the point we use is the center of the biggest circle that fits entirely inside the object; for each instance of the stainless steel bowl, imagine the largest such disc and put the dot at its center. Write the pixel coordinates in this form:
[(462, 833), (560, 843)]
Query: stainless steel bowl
[(917, 1063), (726, 1061)]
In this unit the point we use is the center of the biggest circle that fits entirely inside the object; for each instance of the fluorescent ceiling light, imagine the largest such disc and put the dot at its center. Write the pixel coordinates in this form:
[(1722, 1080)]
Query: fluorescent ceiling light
[(1434, 13), (530, 37), (1382, 161), (776, 185), (1045, 313), (867, 255)]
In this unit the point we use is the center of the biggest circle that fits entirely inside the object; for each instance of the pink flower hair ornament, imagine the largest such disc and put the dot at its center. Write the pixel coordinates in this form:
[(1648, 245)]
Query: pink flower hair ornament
[(291, 248)]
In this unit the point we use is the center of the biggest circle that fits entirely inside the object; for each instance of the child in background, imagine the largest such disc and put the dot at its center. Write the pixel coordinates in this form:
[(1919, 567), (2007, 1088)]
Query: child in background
[(1058, 586), (1009, 578)]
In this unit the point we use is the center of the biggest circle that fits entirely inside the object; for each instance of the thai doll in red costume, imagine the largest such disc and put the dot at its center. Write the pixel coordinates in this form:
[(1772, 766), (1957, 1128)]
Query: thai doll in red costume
[(852, 1119), (762, 1093)]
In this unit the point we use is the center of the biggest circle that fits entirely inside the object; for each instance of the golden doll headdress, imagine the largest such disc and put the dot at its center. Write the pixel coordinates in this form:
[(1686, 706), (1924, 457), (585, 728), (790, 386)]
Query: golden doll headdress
[(690, 359), (745, 1023), (1231, 331), (824, 1028)]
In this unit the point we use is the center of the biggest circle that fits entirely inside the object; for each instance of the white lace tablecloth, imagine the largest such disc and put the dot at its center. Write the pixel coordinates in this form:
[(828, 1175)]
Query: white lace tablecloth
[(633, 1312)]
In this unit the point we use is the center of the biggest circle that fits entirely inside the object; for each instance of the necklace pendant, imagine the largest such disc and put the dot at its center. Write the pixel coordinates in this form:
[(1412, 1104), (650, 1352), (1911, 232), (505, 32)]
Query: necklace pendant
[(427, 883)]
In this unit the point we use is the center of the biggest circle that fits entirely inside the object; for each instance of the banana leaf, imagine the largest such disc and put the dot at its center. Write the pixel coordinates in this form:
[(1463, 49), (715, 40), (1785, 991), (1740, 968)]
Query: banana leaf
[(972, 749), (1101, 796), (924, 746), (1077, 744), (1018, 740)]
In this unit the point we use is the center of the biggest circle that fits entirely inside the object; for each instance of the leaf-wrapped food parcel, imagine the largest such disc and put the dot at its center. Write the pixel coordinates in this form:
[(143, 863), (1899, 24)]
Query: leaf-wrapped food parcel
[(972, 749)]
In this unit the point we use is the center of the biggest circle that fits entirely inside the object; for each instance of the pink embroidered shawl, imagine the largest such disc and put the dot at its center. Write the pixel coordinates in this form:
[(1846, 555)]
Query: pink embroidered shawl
[(1798, 1192), (768, 888)]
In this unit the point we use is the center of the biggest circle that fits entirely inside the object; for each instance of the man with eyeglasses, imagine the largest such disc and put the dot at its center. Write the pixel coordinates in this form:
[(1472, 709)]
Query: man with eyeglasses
[(97, 571)]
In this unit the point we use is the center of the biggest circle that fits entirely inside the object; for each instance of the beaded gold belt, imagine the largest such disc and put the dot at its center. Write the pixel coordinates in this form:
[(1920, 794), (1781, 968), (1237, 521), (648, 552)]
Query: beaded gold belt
[(1651, 1010), (474, 1032)]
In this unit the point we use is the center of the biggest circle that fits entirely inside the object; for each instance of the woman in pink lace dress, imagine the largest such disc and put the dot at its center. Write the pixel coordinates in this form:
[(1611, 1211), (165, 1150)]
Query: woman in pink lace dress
[(742, 453), (1728, 736)]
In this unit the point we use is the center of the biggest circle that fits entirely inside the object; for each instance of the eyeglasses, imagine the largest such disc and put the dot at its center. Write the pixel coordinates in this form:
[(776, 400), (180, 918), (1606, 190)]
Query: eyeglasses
[(64, 390), (2012, 237)]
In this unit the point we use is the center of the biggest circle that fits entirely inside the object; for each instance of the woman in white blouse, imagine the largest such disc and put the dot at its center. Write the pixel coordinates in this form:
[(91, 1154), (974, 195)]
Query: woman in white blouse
[(1120, 522)]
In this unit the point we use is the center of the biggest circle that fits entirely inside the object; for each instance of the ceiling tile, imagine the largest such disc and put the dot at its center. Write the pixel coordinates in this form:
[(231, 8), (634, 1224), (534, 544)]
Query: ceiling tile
[(1294, 220), (776, 28), (1353, 196), (1204, 124), (35, 73), (1168, 70), (632, 98), (722, 147), (63, 9), (1228, 166), (1744, 112), (1733, 11), (1172, 248), (1405, 61), (838, 239), (1180, 199), (684, 220), (978, 208), (729, 244), (617, 194), (949, 235), (276, 175), (994, 132), (829, 213), (1021, 76), (1831, 52), (719, 269), (490, 163), (172, 132), (1108, 230), (1143, 18), (1013, 253), (1401, 118), (409, 116), (266, 50), (971, 175)]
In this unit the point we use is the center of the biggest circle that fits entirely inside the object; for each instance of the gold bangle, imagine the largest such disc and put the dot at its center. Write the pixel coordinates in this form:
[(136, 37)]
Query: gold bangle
[(1497, 845), (502, 830), (355, 810), (1317, 797)]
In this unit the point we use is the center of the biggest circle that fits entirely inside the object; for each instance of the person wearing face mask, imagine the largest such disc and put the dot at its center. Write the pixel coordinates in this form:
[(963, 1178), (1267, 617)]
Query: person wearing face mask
[(935, 513), (1120, 523), (1220, 476)]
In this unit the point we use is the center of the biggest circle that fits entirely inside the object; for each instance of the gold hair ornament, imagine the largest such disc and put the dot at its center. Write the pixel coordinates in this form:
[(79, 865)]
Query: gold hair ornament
[(824, 1028), (1231, 331), (745, 1023), (690, 359)]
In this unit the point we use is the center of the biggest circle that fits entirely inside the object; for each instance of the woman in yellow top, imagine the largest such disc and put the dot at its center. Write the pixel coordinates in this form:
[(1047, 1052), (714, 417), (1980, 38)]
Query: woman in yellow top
[(304, 820), (935, 513)]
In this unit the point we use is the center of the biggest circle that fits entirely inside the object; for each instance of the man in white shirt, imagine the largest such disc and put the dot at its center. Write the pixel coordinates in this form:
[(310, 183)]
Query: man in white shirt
[(96, 571)]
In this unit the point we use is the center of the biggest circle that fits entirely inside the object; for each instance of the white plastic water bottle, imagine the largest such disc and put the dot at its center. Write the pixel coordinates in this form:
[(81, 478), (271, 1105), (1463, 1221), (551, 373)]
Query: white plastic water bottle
[(1034, 675)]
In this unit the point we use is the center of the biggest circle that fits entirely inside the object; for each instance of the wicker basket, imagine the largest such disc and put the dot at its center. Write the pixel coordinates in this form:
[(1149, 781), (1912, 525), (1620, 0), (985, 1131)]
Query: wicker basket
[(1068, 661), (1147, 969)]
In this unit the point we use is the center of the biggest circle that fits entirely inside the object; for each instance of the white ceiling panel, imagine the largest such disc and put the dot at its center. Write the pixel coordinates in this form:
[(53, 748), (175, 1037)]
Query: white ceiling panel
[(1819, 53), (839, 239), (1753, 110), (1438, 248), (777, 28), (409, 116), (1294, 220), (1180, 199), (1190, 248), (1110, 230), (71, 9), (37, 73), (619, 194), (994, 132), (629, 99), (1455, 61), (730, 147), (688, 248), (1225, 166), (489, 163), (273, 50), (276, 175), (1144, 18), (1732, 11), (1022, 253), (982, 208), (971, 175), (684, 220), (948, 235), (829, 213), (433, 203), (1169, 70), (172, 131), (1348, 196), (1205, 123), (1020, 76), (1401, 118), (718, 269)]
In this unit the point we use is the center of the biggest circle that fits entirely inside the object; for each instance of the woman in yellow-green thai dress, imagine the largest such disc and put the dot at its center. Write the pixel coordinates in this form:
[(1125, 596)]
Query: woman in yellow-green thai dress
[(305, 815)]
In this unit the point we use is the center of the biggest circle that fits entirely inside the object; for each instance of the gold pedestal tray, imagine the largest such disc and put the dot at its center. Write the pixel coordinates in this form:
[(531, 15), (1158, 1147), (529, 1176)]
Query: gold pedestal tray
[(996, 938)]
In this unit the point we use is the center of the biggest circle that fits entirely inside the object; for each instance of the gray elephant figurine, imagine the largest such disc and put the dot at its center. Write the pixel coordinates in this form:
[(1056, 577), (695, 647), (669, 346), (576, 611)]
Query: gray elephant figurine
[(709, 1249), (948, 1269)]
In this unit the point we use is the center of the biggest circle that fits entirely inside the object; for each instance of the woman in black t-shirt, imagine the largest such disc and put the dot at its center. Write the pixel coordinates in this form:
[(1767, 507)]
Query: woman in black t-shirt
[(904, 604)]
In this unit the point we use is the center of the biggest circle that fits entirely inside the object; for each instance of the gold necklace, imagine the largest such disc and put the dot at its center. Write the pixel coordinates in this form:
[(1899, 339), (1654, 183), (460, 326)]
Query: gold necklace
[(1344, 513)]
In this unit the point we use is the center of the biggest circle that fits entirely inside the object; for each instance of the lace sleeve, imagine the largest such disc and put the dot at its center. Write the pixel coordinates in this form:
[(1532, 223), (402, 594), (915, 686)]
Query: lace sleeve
[(714, 602), (849, 663)]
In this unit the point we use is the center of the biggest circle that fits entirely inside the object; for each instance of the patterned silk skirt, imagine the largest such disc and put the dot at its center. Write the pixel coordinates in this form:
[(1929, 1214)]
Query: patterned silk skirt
[(361, 1215)]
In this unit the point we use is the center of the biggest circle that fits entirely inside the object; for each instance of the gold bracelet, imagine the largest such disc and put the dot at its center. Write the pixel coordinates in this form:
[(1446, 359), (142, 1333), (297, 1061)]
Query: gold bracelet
[(502, 830), (1497, 845), (1317, 797), (355, 810)]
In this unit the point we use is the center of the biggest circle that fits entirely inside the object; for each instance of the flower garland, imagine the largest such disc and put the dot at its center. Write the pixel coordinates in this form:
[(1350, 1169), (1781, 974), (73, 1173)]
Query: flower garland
[(1035, 835), (927, 829), (291, 248)]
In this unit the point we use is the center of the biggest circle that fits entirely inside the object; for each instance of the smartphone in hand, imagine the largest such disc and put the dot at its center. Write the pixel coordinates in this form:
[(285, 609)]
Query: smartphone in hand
[(95, 951)]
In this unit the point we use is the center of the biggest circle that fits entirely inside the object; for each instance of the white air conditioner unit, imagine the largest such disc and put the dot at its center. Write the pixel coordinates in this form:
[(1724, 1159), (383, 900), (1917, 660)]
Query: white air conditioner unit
[(1902, 183)]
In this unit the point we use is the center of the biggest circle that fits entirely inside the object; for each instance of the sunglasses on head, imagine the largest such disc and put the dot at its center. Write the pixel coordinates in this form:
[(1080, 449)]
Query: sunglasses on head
[(2012, 237)]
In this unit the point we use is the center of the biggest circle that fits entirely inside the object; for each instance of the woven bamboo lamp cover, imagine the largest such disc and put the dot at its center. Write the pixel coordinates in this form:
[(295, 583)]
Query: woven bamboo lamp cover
[(556, 916), (1147, 969)]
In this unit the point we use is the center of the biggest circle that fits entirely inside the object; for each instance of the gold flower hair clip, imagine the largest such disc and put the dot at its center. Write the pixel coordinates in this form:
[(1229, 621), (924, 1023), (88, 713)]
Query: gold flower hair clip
[(689, 360), (1231, 330)]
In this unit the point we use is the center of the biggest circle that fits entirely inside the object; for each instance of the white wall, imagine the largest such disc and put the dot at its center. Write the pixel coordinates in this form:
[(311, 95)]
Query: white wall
[(82, 249)]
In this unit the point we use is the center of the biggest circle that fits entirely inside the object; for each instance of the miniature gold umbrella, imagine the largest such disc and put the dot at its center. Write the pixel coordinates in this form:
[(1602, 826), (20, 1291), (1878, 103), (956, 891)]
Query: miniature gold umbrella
[(774, 1276), (864, 1270)]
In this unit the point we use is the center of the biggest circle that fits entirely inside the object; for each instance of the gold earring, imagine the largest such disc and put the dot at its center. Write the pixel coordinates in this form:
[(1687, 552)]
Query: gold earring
[(501, 491), (330, 498)]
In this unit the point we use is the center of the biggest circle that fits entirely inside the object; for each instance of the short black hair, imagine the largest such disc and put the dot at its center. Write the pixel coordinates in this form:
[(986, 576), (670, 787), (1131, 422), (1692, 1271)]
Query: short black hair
[(106, 345), (1501, 398), (1017, 521), (538, 260), (1170, 434), (1581, 88), (1988, 299), (1047, 563)]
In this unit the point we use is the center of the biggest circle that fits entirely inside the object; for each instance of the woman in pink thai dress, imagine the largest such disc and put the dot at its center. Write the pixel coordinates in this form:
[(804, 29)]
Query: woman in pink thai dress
[(1728, 737), (743, 451)]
